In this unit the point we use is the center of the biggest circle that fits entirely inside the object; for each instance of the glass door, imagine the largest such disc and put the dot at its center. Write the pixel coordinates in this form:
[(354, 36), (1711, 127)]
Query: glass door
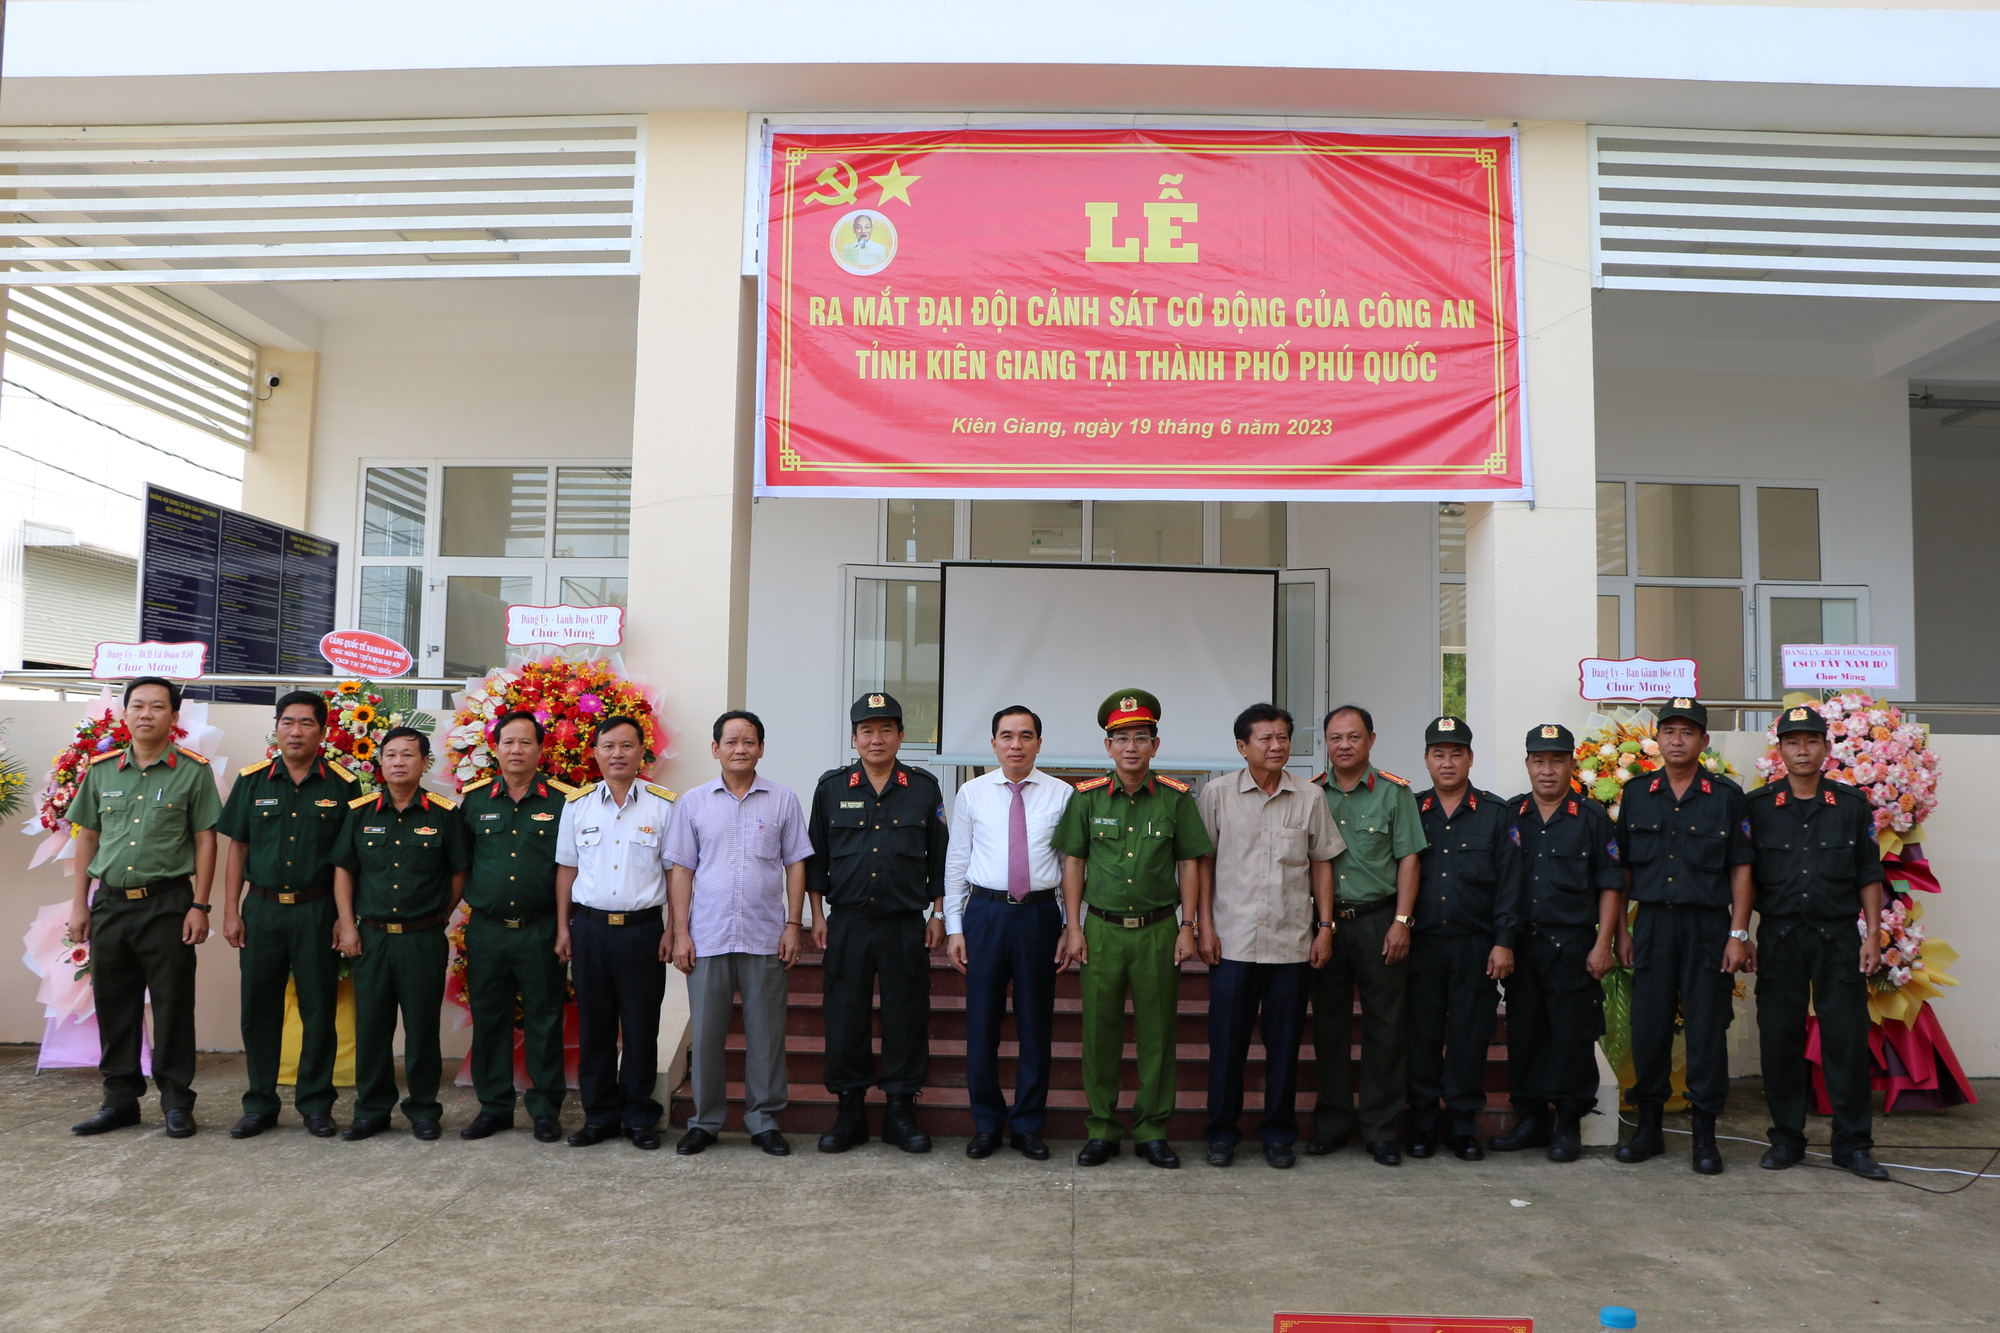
[(1808, 613), (470, 599)]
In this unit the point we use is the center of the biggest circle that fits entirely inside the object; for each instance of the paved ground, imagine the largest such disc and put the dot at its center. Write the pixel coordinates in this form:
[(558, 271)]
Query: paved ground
[(135, 1231)]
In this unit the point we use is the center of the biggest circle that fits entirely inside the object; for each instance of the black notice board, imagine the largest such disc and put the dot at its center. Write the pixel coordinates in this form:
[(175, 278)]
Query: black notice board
[(259, 594)]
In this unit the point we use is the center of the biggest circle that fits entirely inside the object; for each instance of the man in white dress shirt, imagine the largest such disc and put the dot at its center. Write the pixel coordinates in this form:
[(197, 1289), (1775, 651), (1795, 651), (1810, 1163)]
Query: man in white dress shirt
[(611, 892), (1003, 920)]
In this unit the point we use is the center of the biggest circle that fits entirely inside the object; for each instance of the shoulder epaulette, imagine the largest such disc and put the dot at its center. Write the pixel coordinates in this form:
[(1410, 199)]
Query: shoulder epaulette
[(833, 773), (1401, 782), (257, 767), (1767, 790), (576, 793), (1320, 777), (441, 802), (1175, 783), (360, 801), (1093, 784), (108, 754), (340, 772), (664, 793), (562, 787), (195, 755)]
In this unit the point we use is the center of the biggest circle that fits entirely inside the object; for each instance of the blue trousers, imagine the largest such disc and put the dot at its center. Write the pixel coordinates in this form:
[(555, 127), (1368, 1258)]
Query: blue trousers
[(1006, 943), (1272, 996)]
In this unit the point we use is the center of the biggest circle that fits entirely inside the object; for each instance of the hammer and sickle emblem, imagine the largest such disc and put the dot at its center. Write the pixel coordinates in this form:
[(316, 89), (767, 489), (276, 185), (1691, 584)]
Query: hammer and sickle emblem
[(838, 193)]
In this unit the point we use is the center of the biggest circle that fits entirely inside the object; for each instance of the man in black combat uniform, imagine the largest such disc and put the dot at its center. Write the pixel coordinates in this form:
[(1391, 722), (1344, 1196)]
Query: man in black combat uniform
[(1468, 918), (1572, 900), (1818, 869), (878, 848), (1685, 838)]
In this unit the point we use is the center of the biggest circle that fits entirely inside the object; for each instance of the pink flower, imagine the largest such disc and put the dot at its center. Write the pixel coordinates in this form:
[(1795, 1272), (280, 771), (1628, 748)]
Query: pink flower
[(589, 703)]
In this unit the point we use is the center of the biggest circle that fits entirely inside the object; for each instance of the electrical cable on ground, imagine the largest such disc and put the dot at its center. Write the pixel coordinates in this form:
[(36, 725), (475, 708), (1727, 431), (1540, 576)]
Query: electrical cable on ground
[(183, 458)]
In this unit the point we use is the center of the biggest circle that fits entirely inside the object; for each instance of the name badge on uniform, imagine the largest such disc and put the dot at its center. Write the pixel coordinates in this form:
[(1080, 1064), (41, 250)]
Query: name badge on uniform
[(1112, 823), (483, 817), (375, 830), (845, 805), (585, 832), (269, 800), (109, 794)]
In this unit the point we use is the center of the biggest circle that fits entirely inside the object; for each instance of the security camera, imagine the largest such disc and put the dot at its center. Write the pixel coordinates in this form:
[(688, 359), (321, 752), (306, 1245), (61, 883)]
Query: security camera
[(271, 380)]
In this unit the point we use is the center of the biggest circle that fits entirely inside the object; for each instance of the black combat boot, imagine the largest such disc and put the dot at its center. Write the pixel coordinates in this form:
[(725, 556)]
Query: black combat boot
[(850, 1124), (899, 1125), (1707, 1157), (1647, 1141)]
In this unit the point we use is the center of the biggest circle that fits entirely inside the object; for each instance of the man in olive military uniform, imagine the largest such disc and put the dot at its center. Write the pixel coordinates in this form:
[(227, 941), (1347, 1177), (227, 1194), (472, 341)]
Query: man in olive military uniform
[(1374, 905), (1468, 920), (282, 819), (1818, 871), (878, 847), (399, 869), (1572, 901), (510, 934), (1131, 842), (1684, 836), (143, 820)]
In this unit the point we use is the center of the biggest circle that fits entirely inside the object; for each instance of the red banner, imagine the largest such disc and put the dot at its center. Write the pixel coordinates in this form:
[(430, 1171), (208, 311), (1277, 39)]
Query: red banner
[(1191, 313)]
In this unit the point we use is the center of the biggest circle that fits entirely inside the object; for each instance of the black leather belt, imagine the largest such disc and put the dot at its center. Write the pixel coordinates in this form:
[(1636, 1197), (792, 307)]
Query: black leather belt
[(1002, 896), (157, 886), (635, 918), (1683, 907), (1349, 911), (1133, 920), (516, 922), (407, 925), (289, 899)]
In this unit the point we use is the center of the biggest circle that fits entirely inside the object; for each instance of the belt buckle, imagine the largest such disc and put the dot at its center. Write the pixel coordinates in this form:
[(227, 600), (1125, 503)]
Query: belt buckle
[(1131, 922), (614, 918), (288, 898), (392, 927), (1344, 913), (133, 895), (513, 923)]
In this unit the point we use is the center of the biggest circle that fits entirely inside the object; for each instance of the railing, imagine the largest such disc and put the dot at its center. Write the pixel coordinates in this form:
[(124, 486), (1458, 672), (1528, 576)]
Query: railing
[(83, 680)]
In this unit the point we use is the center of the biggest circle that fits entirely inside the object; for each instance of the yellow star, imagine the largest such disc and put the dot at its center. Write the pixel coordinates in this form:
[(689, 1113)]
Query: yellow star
[(895, 185)]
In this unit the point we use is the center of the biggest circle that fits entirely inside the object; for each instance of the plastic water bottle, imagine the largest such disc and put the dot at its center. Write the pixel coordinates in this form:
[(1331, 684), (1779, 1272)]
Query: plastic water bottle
[(1617, 1316)]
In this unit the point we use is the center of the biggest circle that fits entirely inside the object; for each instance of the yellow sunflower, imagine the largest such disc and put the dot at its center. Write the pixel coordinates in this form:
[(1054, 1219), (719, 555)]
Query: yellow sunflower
[(363, 715), (363, 747), (350, 687)]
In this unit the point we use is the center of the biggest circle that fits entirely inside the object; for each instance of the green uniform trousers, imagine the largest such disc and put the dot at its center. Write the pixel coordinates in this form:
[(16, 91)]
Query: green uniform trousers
[(1140, 963), (136, 948), (406, 973), (1801, 960), (1385, 1039), (280, 941), (502, 966)]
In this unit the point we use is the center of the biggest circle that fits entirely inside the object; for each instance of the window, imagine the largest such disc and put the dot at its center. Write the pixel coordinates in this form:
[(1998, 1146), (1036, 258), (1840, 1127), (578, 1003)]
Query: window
[(1788, 536), (1254, 534), (1027, 529), (1689, 532), (1146, 532), (593, 513), (921, 531), (495, 511), (394, 504), (897, 623), (1451, 607)]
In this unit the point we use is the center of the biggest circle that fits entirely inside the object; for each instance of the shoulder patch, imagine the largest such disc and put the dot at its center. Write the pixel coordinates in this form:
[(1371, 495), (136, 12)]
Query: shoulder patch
[(360, 801), (197, 756), (441, 802), (1175, 783), (562, 787), (1401, 782), (664, 793), (584, 790), (1093, 784), (108, 754), (257, 767), (338, 771)]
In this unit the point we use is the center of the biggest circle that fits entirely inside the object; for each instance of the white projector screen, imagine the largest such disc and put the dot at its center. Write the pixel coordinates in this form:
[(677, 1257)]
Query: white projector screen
[(1059, 638)]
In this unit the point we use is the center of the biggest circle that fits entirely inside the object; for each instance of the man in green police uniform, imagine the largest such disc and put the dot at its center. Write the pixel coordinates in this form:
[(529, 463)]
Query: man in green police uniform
[(399, 870), (510, 935), (282, 819), (1374, 905), (144, 819), (1125, 838)]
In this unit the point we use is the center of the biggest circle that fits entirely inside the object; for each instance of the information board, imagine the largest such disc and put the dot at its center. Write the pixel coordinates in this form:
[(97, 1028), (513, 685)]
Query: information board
[(259, 594)]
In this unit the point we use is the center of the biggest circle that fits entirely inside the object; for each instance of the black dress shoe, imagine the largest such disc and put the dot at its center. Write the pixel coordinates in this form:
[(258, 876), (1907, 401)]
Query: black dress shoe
[(1030, 1146), (1160, 1153), (1096, 1152), (1861, 1162), (1779, 1156), (1280, 1155), (1220, 1154), (1385, 1152), (981, 1146), (646, 1138), (693, 1141), (363, 1129), (250, 1126), (548, 1129), (772, 1142), (1465, 1147), (426, 1129), (1319, 1145), (321, 1126), (1423, 1146), (107, 1118), (180, 1125), (1530, 1131), (591, 1135), (484, 1126)]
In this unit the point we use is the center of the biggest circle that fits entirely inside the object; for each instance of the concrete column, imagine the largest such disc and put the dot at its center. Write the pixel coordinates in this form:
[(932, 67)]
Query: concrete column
[(1531, 570), (277, 472)]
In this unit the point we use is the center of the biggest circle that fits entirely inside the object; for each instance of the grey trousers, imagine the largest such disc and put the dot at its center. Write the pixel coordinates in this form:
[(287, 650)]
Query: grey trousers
[(716, 980)]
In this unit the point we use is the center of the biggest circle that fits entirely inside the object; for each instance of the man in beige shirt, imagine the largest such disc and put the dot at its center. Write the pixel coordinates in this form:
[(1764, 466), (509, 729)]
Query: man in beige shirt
[(1266, 921)]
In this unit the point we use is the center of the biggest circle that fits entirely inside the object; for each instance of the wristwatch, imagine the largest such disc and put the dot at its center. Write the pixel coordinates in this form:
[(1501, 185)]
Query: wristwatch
[(1406, 921), (1323, 925), (202, 907), (1743, 935)]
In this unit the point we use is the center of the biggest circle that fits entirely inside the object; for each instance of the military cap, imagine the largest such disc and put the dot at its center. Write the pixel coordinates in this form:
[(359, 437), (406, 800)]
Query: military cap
[(1802, 717), (1551, 736), (872, 706), (1687, 710), (1128, 708), (1448, 730)]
